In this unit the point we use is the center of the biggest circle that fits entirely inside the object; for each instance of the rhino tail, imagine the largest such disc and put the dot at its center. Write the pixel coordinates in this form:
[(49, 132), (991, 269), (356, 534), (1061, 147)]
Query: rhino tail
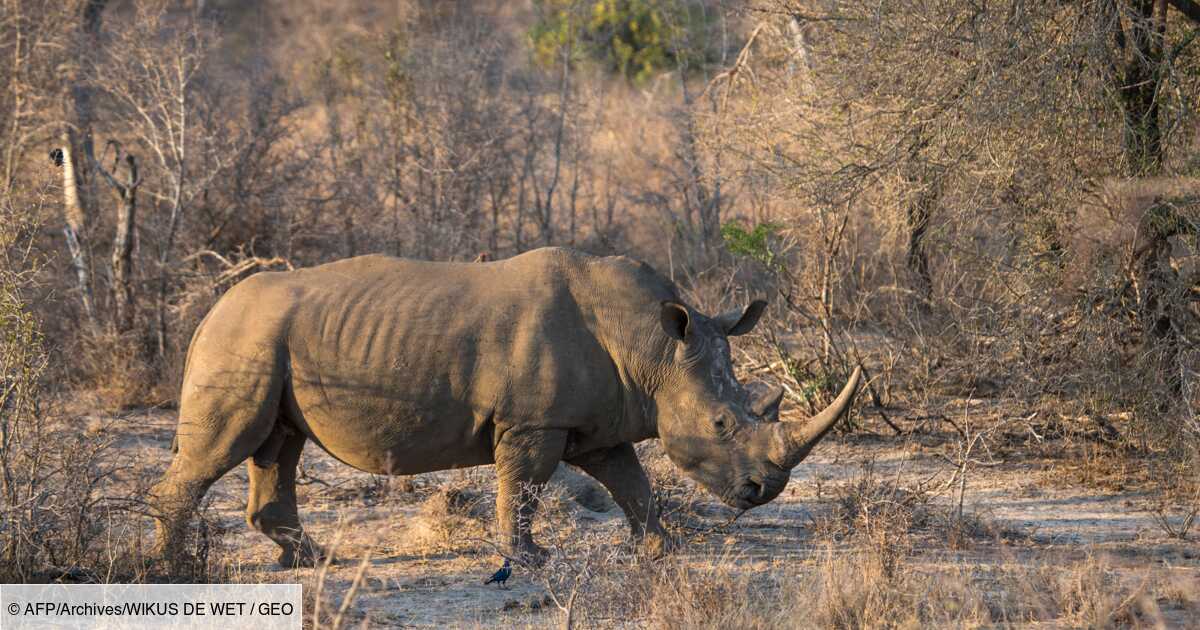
[(268, 453)]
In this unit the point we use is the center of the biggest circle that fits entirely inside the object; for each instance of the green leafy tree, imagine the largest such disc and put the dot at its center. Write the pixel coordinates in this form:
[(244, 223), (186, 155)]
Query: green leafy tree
[(634, 38), (754, 243)]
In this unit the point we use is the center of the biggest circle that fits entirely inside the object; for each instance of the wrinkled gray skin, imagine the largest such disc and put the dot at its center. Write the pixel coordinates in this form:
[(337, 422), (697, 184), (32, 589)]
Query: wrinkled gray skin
[(403, 367)]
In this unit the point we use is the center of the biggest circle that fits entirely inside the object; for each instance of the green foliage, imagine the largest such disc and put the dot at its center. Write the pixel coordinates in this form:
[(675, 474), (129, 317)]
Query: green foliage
[(634, 38), (398, 79), (754, 243)]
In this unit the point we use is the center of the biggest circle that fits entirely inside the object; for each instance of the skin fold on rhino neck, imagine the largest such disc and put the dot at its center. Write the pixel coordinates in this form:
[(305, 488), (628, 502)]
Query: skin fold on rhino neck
[(640, 359)]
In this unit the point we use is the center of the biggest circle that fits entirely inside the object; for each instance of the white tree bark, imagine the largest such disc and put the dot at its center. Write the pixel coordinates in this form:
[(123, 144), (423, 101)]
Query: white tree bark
[(76, 220)]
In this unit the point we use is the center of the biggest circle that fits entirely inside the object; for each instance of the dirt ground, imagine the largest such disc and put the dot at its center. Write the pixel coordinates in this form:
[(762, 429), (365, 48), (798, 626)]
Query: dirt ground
[(427, 564)]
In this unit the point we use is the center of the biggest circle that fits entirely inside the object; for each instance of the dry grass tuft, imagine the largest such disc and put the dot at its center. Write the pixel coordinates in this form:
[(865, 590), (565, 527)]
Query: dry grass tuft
[(716, 593), (448, 518), (862, 589)]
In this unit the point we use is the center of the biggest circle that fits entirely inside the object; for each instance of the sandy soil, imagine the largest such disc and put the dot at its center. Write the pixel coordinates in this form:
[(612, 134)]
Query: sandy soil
[(428, 570)]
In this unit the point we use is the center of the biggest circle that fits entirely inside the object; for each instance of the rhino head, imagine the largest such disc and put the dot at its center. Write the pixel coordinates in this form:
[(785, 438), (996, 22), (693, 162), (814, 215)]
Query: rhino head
[(716, 431)]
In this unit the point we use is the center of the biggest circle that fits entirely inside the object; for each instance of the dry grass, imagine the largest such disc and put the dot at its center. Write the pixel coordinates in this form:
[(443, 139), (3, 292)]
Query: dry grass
[(855, 589), (849, 589), (714, 593), (858, 589)]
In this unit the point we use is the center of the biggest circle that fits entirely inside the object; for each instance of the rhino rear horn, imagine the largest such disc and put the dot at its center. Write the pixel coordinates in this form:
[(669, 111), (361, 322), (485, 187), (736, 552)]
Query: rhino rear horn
[(794, 440), (765, 403)]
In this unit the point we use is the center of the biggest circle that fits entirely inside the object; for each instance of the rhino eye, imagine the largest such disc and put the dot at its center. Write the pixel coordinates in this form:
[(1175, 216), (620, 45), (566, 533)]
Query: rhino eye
[(724, 423)]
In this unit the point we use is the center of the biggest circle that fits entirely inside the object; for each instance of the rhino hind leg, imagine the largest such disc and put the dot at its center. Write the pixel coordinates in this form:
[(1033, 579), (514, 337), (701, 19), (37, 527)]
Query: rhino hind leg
[(525, 460), (271, 507), (175, 497), (225, 417)]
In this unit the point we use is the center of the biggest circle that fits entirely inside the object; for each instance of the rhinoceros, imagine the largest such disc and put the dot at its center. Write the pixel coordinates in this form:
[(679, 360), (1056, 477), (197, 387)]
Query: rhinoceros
[(399, 366)]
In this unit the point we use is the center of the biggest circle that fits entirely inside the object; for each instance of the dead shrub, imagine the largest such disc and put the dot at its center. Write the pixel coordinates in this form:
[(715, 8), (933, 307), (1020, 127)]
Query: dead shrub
[(448, 518), (684, 507), (862, 589), (324, 606), (1092, 595), (876, 514), (116, 369), (882, 514), (714, 594), (54, 475)]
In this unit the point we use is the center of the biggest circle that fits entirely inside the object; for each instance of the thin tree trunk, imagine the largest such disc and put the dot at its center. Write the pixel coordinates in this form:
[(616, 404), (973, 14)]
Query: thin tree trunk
[(1138, 88), (919, 212), (800, 63), (164, 275), (76, 223), (122, 255), (547, 212), (76, 208), (81, 91)]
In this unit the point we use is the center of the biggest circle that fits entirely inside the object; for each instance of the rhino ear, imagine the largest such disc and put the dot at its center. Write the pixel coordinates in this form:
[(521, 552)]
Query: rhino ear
[(741, 322), (675, 320)]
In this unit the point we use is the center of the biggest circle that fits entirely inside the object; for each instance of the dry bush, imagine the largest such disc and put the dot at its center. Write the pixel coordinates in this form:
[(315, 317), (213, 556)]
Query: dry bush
[(718, 593), (1091, 595), (118, 371), (685, 509), (1176, 507), (857, 589), (883, 515), (69, 510), (325, 607), (52, 473), (581, 568), (450, 519)]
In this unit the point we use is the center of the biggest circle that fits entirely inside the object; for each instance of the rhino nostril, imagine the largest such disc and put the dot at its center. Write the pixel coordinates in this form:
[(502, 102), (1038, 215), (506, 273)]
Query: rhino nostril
[(755, 490)]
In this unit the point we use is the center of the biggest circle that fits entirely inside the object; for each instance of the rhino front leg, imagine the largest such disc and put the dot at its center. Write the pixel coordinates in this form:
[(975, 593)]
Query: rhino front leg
[(619, 470), (525, 460)]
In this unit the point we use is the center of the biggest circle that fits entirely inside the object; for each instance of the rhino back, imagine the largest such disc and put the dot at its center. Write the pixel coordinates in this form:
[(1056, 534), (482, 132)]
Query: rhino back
[(407, 366)]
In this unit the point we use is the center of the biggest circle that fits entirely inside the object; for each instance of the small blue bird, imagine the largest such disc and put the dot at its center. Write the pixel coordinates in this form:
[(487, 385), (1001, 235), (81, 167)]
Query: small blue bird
[(501, 576)]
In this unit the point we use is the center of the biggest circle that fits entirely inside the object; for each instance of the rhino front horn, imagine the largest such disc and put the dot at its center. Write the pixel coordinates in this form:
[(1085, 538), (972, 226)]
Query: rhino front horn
[(793, 440)]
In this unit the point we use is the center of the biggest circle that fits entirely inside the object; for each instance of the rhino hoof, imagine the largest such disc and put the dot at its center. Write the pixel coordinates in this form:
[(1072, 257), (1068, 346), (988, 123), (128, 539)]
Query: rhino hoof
[(656, 546), (306, 556)]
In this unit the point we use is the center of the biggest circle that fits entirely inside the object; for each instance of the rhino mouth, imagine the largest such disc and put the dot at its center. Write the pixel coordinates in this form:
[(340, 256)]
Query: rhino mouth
[(753, 492)]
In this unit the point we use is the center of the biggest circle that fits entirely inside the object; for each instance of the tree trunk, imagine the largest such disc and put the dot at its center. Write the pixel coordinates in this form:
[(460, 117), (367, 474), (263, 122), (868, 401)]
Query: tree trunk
[(76, 223), (77, 140), (919, 212), (800, 64), (1138, 85), (122, 255)]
